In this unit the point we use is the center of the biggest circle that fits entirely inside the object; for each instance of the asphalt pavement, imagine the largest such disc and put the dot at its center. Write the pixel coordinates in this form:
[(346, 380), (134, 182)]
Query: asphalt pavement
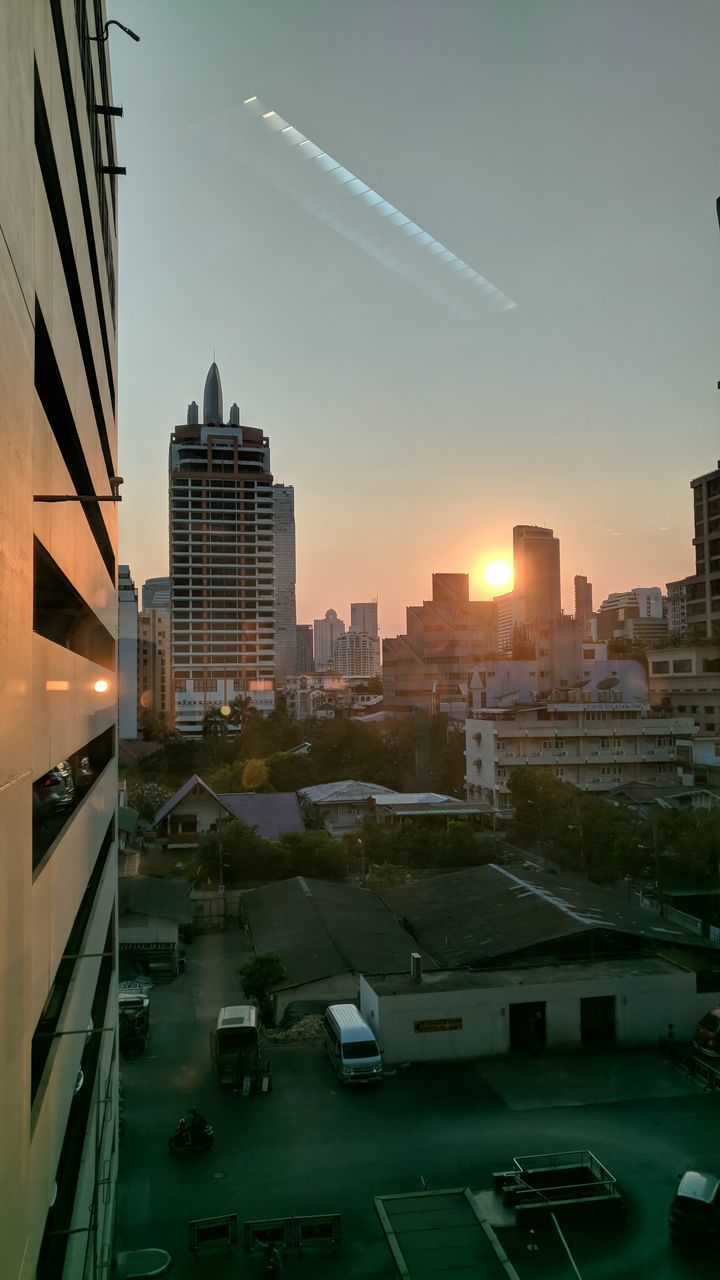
[(311, 1146)]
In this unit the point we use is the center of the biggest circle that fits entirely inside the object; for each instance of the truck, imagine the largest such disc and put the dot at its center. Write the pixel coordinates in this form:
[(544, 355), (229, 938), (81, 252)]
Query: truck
[(134, 1017), (235, 1049)]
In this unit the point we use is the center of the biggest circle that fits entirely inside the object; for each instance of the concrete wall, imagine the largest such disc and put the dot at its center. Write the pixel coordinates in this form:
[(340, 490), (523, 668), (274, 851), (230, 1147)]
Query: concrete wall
[(340, 987), (644, 1006), (49, 706)]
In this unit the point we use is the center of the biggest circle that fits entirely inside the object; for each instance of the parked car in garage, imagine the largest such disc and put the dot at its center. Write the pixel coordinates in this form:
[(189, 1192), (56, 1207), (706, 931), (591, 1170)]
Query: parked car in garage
[(54, 793), (707, 1034), (695, 1211)]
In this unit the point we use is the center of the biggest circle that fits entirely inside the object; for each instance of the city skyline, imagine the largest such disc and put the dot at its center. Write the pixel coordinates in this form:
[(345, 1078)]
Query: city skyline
[(432, 434)]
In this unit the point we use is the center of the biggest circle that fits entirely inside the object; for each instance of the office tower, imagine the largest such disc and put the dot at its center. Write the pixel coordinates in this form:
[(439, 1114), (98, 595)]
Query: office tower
[(677, 607), (536, 564), (127, 654), (304, 641), (156, 593), (221, 562), (59, 612), (285, 615), (326, 631), (364, 620), (583, 606), (154, 675), (428, 666)]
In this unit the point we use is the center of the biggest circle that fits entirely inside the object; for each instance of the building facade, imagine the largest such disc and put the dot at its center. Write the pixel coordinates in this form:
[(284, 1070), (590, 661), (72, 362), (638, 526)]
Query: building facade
[(305, 663), (58, 651), (127, 655), (685, 681), (325, 632), (593, 739), (354, 655), (155, 593), (702, 589), (445, 636), (364, 619), (154, 676), (584, 606), (285, 610), (221, 562)]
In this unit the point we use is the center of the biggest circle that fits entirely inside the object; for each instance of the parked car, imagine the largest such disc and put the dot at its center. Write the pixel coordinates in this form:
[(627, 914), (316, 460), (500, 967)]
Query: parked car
[(54, 793), (707, 1034), (695, 1211)]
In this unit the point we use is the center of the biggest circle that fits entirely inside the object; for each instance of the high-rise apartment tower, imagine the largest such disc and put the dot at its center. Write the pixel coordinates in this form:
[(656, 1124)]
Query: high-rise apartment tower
[(221, 562), (285, 611)]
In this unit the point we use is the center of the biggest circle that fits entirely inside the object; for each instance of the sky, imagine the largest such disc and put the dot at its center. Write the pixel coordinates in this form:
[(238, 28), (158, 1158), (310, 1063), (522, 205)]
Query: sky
[(564, 150)]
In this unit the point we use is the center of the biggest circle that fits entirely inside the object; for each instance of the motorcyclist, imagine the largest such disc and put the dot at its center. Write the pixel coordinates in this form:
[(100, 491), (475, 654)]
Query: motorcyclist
[(194, 1124)]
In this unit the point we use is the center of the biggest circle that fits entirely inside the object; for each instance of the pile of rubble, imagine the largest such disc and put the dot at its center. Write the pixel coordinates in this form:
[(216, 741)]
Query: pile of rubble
[(308, 1030)]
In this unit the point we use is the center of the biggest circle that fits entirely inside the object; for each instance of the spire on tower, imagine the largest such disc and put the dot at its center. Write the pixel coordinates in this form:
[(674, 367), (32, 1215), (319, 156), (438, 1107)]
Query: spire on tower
[(213, 397)]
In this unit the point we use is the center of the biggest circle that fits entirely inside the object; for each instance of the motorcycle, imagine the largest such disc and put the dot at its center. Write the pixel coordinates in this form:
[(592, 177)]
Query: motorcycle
[(187, 1136)]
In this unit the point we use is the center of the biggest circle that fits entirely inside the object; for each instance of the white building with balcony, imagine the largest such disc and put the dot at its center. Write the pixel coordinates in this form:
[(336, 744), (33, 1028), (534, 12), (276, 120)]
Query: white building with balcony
[(594, 738)]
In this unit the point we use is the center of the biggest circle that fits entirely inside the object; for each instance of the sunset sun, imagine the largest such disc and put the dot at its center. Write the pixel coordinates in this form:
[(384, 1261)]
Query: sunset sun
[(498, 572)]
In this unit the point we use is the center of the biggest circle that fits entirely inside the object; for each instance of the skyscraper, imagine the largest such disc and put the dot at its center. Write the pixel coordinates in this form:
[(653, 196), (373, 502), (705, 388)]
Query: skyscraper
[(583, 605), (221, 562), (530, 611), (156, 593), (127, 655), (364, 621), (702, 589), (326, 631), (58, 648), (304, 648), (285, 613)]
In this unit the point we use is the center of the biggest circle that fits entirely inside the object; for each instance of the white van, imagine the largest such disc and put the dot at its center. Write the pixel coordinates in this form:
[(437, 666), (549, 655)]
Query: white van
[(351, 1046)]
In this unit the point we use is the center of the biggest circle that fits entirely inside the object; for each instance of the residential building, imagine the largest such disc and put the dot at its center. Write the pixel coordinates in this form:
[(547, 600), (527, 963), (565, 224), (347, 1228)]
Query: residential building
[(326, 631), (354, 654), (589, 737), (344, 806), (584, 607), (127, 654), (364, 619), (445, 636), (155, 593), (154, 675), (58, 654), (196, 809), (685, 680), (285, 614), (221, 562), (321, 696), (304, 662)]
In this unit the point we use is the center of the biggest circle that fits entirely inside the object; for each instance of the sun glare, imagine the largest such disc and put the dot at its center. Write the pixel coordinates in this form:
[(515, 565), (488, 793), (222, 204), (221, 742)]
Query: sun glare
[(498, 573)]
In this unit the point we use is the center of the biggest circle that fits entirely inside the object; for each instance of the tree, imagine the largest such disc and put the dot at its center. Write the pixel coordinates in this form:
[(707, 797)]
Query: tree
[(258, 976), (147, 798)]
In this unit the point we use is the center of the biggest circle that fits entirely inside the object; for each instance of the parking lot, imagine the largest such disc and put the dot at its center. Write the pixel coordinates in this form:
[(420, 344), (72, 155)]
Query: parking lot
[(311, 1146)]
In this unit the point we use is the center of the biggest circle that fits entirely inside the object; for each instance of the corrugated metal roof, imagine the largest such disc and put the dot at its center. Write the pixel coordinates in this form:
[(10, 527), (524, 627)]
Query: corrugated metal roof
[(470, 917), (320, 929), (347, 792), (150, 896)]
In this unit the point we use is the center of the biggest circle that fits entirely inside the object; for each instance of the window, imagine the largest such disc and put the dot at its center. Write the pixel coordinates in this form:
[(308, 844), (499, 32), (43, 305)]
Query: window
[(661, 668), (682, 666)]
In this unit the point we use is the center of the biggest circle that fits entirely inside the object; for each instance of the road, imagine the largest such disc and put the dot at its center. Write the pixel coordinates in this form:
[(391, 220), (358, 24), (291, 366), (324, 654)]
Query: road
[(311, 1146)]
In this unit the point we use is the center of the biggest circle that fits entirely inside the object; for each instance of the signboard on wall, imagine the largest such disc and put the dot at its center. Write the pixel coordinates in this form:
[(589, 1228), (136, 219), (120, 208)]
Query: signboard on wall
[(437, 1024)]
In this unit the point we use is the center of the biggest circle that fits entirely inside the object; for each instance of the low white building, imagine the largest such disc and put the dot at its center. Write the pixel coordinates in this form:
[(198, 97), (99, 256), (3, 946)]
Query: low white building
[(446, 1016)]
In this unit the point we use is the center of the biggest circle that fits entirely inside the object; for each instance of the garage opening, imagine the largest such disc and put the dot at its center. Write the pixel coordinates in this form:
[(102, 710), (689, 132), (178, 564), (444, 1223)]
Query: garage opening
[(527, 1025), (597, 1021)]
